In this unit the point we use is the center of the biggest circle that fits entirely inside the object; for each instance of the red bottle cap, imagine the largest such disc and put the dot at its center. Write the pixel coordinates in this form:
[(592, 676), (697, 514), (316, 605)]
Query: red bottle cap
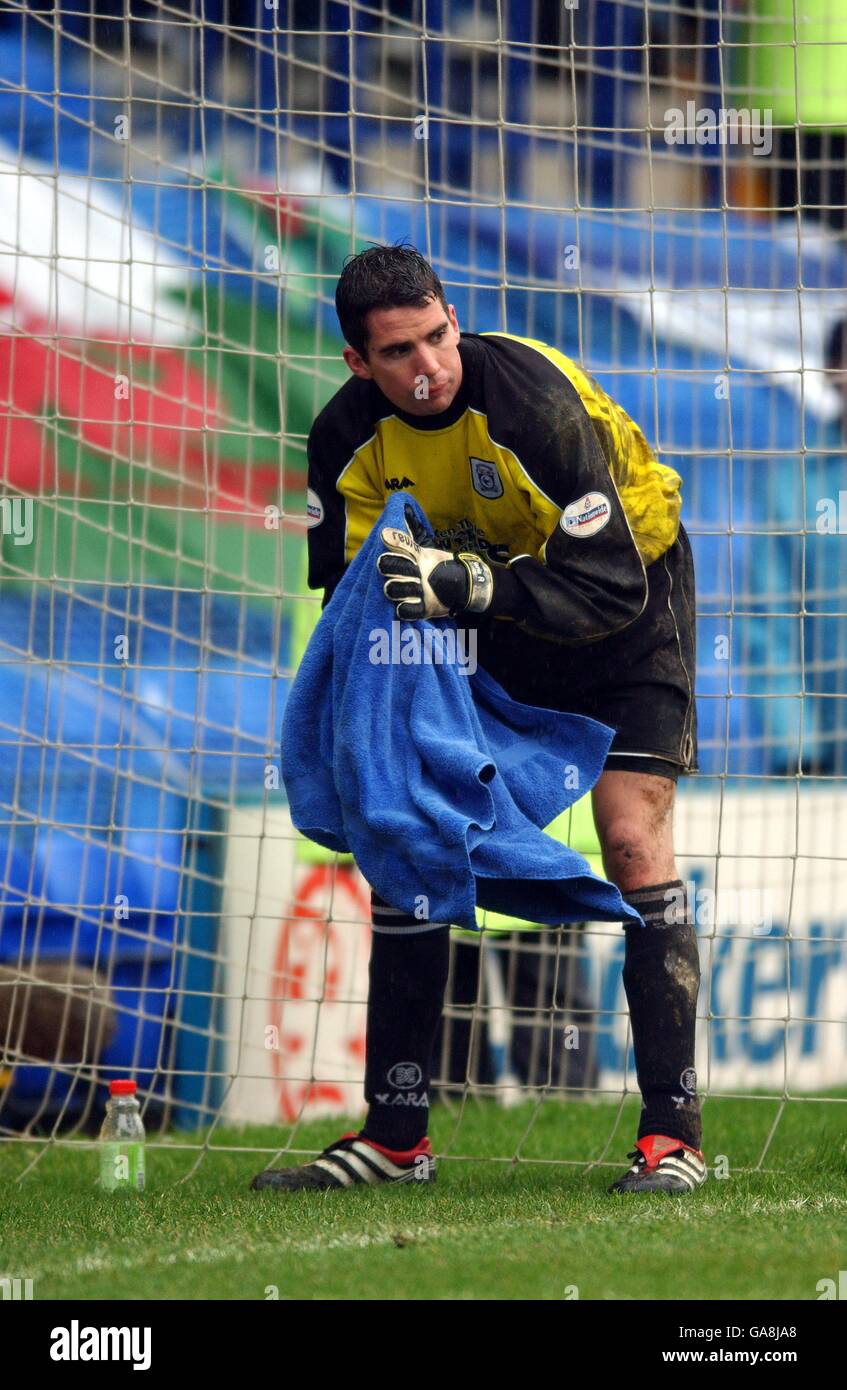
[(122, 1088)]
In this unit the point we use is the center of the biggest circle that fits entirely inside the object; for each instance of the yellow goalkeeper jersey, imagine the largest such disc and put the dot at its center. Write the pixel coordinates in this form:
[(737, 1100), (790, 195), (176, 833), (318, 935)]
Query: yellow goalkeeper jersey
[(532, 466)]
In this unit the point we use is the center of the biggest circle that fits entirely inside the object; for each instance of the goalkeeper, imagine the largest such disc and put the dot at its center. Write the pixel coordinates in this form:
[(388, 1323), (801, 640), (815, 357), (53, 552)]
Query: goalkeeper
[(557, 536)]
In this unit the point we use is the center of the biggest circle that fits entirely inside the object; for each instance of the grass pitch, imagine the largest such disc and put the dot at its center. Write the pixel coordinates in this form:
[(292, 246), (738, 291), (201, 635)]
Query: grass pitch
[(536, 1228)]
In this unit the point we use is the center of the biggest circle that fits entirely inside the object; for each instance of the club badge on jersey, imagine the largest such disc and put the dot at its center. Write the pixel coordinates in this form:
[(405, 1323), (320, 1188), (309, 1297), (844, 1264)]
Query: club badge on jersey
[(485, 478)]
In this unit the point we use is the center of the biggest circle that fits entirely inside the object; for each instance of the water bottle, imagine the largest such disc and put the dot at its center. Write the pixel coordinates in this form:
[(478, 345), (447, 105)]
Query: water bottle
[(122, 1141)]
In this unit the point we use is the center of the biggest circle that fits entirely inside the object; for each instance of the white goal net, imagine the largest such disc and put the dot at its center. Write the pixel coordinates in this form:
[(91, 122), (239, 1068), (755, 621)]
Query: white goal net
[(656, 189)]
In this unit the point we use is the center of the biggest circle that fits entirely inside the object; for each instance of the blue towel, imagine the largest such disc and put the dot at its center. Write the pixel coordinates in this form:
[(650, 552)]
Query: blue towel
[(437, 782)]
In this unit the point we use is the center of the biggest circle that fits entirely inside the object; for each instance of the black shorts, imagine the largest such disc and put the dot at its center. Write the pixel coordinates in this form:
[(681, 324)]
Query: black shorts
[(640, 681)]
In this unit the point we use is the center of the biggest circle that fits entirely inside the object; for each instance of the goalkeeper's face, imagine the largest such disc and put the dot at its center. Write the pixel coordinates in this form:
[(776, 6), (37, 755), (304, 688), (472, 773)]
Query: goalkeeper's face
[(413, 356)]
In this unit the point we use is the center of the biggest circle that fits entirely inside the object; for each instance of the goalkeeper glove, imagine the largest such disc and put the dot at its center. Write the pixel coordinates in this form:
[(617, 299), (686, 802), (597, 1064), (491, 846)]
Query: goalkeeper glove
[(423, 582)]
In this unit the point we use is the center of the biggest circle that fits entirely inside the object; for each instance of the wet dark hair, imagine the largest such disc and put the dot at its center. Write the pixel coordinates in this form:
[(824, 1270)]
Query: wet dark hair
[(382, 277)]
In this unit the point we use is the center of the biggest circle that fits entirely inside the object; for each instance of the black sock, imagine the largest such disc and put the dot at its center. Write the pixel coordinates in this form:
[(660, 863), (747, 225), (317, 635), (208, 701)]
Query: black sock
[(661, 977), (408, 977)]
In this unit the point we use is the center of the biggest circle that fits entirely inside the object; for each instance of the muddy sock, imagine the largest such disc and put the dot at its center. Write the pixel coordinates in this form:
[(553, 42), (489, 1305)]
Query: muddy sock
[(661, 977)]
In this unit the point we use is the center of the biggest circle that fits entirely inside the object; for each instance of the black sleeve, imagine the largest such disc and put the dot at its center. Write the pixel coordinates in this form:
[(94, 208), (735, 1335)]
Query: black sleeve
[(326, 512), (591, 581)]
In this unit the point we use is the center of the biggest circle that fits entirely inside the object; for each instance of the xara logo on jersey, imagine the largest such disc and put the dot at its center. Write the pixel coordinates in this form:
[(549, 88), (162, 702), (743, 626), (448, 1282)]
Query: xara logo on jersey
[(587, 515), (395, 484)]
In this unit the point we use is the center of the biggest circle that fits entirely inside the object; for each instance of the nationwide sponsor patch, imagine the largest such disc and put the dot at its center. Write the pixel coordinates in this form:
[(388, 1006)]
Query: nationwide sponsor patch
[(587, 515), (486, 480), (314, 509)]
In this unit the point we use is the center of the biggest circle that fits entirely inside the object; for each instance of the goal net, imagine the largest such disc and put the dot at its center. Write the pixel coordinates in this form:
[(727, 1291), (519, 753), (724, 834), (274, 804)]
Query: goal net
[(658, 191)]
